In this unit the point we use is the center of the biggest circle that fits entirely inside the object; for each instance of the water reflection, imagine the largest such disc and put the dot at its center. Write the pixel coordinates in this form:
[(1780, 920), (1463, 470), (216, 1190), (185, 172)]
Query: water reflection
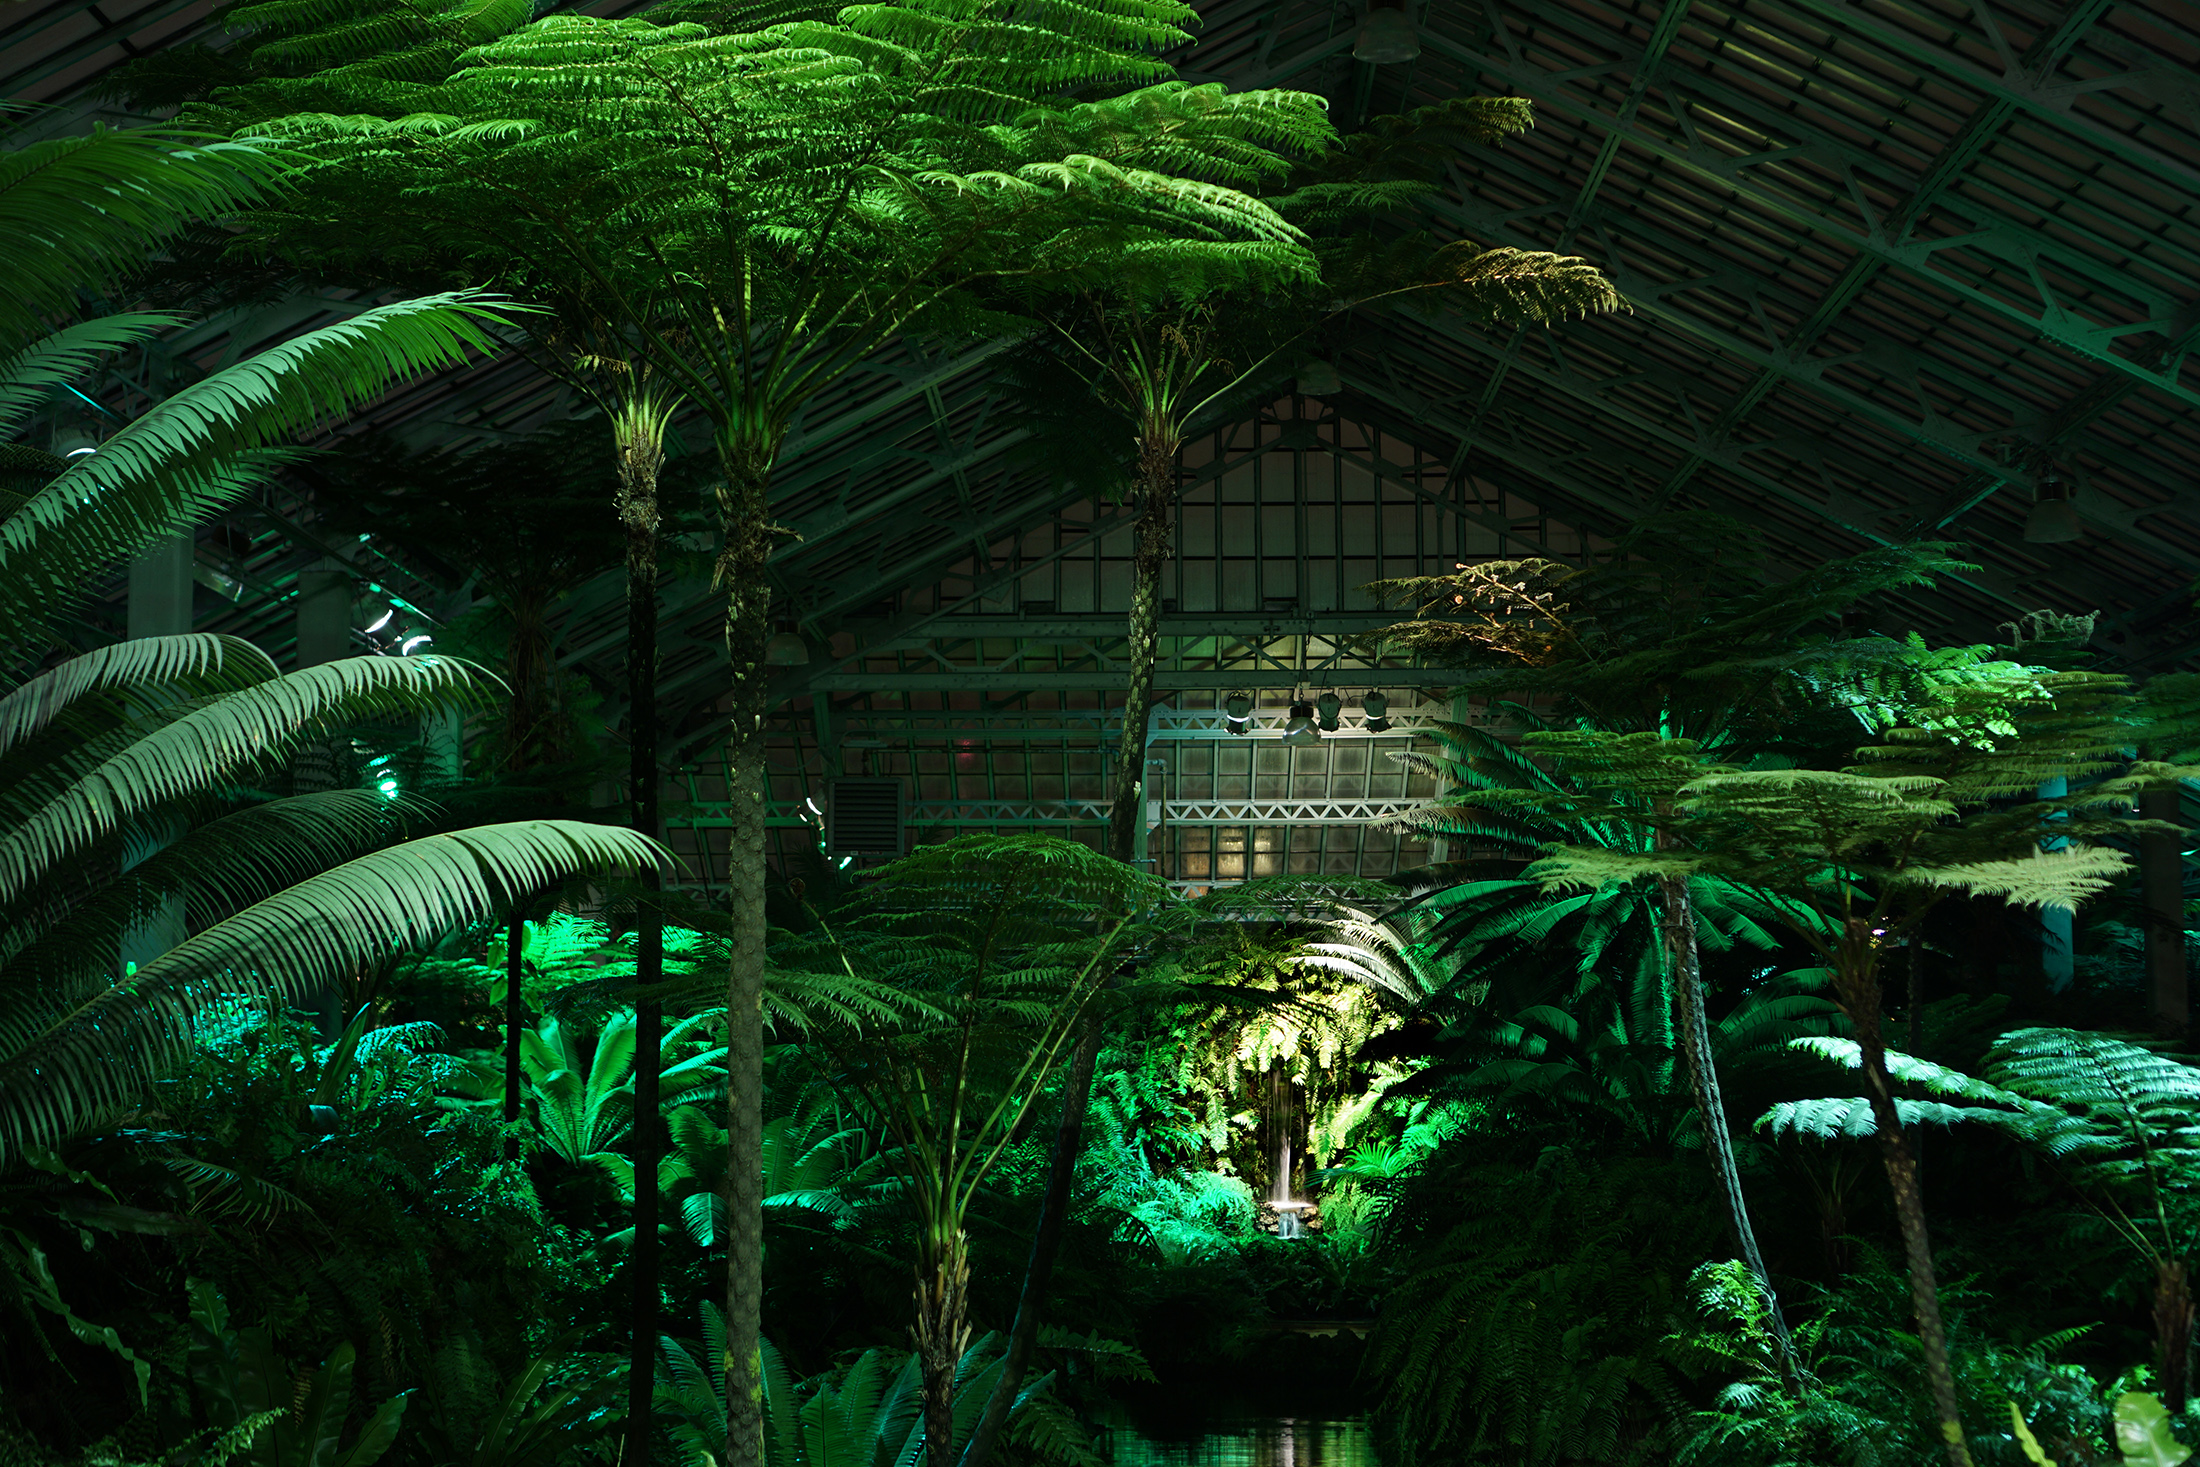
[(1267, 1442)]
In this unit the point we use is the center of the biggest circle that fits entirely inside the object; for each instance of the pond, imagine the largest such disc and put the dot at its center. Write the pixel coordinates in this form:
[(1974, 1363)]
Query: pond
[(1254, 1441)]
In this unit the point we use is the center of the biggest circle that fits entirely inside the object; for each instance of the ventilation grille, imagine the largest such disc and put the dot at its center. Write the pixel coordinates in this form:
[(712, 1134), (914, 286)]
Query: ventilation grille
[(863, 817)]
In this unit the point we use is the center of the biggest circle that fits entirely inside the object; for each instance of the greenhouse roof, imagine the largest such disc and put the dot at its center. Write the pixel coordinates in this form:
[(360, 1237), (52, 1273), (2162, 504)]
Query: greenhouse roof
[(1890, 267)]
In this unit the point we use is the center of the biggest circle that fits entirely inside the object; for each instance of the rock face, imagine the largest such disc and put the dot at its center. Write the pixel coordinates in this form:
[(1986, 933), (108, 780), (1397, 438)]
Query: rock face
[(1309, 1214)]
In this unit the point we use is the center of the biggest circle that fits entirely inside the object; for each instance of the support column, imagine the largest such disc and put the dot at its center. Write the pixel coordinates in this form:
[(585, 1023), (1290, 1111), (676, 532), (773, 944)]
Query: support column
[(324, 635), (160, 589), (324, 613), (443, 732), (1439, 847), (160, 606), (2162, 897), (2058, 964)]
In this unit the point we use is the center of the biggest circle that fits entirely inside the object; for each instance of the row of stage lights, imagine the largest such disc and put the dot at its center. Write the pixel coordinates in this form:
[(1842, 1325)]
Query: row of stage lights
[(1307, 722)]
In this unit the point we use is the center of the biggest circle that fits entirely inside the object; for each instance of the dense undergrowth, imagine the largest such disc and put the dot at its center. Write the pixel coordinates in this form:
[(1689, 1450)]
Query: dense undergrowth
[(1568, 1120), (1537, 1273)]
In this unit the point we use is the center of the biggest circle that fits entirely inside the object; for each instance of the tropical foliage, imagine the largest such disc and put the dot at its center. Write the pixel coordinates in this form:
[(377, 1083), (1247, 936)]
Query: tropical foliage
[(1430, 1151)]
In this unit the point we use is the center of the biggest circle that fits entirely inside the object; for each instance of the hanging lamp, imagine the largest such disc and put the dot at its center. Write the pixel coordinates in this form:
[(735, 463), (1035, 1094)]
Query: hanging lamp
[(787, 649), (1319, 378), (2053, 519), (1387, 37)]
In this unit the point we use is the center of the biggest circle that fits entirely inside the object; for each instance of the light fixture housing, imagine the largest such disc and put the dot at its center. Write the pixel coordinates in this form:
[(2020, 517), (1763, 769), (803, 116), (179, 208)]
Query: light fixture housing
[(1236, 709), (2052, 522), (1328, 706), (787, 649), (413, 643), (1299, 727), (75, 443), (1387, 37), (1376, 706), (1318, 378)]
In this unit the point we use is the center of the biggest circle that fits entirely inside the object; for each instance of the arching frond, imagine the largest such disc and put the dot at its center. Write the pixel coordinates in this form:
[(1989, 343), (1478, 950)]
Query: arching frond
[(29, 376), (63, 1063), (209, 745), (190, 665), (215, 868)]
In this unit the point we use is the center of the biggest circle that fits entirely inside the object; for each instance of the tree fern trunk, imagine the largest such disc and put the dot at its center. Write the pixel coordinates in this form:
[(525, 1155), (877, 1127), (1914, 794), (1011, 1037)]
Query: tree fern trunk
[(2173, 1331), (2162, 887), (1046, 1243), (744, 517), (528, 739), (1156, 490), (942, 1334), (641, 457), (1683, 962), (1856, 985)]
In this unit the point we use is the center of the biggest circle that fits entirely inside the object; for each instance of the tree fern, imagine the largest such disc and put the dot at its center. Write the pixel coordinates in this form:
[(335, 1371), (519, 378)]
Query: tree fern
[(758, 211), (1852, 861), (1504, 808), (2122, 1120)]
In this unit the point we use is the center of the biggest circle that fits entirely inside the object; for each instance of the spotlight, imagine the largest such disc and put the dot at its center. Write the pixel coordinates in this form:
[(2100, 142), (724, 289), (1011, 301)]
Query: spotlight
[(1319, 378), (75, 443), (1376, 706), (1329, 706), (1299, 727), (1387, 37), (388, 615), (787, 649), (2051, 522), (1236, 709), (388, 786), (405, 648)]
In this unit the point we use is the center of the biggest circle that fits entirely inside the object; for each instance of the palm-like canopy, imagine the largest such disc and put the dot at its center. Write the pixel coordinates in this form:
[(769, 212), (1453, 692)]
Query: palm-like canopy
[(1599, 1059), (1008, 941), (1507, 809), (1004, 941), (283, 895), (126, 773)]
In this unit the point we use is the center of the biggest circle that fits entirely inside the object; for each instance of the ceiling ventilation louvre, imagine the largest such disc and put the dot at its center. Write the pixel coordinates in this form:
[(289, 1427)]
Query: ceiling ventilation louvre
[(863, 817)]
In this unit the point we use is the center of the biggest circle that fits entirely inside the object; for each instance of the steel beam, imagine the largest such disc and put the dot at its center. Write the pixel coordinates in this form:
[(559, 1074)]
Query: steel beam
[(2046, 101), (923, 814), (1562, 474), (1647, 295), (1953, 161), (2017, 246)]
